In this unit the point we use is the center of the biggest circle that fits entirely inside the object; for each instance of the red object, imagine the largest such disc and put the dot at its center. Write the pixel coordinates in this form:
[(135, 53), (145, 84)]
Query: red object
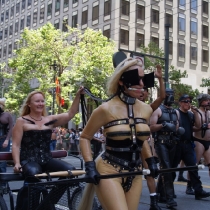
[(60, 101)]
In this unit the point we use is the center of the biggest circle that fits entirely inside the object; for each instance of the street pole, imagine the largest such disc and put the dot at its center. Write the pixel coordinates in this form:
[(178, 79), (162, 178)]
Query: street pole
[(166, 54)]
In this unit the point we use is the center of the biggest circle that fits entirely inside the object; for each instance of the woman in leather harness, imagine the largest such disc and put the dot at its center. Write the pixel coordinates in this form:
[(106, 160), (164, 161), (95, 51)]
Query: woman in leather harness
[(125, 122)]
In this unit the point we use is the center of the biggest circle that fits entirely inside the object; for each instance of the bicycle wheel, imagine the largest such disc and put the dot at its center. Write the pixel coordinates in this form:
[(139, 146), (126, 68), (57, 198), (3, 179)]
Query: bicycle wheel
[(3, 205), (76, 198)]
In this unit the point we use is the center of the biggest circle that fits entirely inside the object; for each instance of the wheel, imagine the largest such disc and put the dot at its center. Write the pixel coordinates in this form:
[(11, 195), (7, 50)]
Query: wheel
[(76, 198), (3, 205)]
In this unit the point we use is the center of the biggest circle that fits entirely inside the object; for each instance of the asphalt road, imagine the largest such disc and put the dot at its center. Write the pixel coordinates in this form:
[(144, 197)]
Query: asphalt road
[(185, 202)]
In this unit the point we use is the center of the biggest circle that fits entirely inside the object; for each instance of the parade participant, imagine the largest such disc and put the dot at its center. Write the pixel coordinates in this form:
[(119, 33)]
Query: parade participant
[(32, 136), (6, 124), (185, 149), (143, 97), (125, 120), (164, 122), (202, 123)]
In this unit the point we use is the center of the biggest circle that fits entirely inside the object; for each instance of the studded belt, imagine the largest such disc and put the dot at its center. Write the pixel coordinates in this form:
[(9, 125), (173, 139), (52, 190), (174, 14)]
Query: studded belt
[(166, 141)]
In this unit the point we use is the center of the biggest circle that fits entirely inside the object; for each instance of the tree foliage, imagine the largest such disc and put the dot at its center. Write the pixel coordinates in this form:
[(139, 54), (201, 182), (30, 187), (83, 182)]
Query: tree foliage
[(82, 58), (175, 75)]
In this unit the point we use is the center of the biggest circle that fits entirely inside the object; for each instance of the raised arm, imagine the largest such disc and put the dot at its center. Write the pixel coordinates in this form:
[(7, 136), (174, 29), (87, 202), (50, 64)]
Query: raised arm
[(66, 117), (158, 101)]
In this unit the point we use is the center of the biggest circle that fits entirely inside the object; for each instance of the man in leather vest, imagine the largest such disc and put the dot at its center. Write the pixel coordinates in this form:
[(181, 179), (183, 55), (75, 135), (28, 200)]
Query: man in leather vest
[(164, 123), (6, 124)]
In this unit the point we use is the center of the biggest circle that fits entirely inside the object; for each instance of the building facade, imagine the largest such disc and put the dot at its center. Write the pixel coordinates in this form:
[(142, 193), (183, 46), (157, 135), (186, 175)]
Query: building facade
[(130, 23)]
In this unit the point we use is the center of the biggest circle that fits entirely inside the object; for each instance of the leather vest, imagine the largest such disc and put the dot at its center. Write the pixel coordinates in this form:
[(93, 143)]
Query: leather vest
[(3, 129), (168, 115)]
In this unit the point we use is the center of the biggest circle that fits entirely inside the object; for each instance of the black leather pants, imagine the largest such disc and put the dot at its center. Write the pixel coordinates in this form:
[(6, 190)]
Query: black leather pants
[(166, 153)]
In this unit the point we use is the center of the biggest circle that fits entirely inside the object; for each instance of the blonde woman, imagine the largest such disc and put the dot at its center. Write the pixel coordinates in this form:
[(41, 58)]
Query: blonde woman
[(125, 122)]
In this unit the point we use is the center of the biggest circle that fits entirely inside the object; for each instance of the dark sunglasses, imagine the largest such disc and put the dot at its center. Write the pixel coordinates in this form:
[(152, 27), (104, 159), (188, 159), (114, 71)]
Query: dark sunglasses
[(186, 101)]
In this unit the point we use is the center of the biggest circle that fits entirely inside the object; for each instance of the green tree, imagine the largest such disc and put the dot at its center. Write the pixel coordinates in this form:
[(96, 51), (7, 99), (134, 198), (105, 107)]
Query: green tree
[(175, 75), (82, 58)]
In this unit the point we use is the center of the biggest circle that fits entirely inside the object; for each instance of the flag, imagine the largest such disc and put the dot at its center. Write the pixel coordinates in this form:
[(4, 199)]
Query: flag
[(60, 101)]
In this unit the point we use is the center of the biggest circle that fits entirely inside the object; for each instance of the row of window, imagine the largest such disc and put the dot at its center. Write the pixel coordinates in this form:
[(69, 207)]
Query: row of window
[(140, 39), (15, 9)]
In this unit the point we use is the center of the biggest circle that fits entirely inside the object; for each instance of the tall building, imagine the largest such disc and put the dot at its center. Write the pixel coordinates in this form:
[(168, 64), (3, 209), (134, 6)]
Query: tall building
[(129, 23)]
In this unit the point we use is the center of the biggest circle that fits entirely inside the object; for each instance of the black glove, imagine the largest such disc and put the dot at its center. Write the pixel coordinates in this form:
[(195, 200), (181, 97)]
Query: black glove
[(169, 126), (180, 131), (152, 167), (91, 172)]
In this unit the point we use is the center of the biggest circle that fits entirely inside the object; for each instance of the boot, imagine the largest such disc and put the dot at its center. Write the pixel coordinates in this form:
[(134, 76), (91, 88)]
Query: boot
[(189, 189), (170, 203), (181, 178), (153, 203)]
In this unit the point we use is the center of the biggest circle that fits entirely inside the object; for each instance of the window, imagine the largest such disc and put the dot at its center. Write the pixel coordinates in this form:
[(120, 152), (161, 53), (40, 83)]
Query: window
[(205, 31), (28, 21), (5, 51), (205, 55), (12, 11), (29, 3), (95, 14), (169, 19), (182, 3), (10, 30), (35, 16), (140, 12), (42, 13), (7, 14), (5, 32), (57, 24), (84, 17), (193, 53), (10, 49), (124, 37), (170, 48), (17, 7), (57, 6), (16, 26), (155, 16), (74, 21), (66, 4), (155, 40), (65, 24), (107, 8), (49, 9), (181, 22), (181, 50), (15, 45), (35, 2), (1, 34), (2, 17), (23, 4), (205, 6), (193, 5), (22, 24), (139, 40), (125, 7), (75, 1), (193, 26), (107, 33)]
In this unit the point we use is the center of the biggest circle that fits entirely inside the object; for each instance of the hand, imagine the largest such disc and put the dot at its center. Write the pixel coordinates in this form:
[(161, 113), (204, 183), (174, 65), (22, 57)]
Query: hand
[(169, 126), (5, 144), (194, 109), (158, 72), (80, 91), (152, 167), (17, 168), (91, 172)]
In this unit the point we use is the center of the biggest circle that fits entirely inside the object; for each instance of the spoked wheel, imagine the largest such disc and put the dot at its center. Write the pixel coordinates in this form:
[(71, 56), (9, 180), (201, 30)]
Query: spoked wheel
[(3, 205)]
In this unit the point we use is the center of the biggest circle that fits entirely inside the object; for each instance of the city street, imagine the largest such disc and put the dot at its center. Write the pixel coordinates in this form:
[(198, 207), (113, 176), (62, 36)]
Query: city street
[(185, 202)]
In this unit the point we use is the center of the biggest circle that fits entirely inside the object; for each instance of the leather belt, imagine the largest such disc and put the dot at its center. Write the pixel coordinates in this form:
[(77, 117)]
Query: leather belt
[(119, 149), (166, 141), (164, 133)]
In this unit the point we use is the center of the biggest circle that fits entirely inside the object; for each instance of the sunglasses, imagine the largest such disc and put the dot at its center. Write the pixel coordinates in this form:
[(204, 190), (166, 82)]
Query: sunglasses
[(186, 101)]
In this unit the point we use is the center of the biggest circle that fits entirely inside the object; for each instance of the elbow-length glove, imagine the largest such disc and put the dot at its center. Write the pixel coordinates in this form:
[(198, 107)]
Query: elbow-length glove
[(152, 167), (91, 172)]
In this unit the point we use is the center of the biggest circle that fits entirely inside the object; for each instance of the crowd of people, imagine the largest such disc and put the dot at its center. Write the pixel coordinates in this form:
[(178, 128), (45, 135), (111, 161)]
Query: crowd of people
[(125, 134)]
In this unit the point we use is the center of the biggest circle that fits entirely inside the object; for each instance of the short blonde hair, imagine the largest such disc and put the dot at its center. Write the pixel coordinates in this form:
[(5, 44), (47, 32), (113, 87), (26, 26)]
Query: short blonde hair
[(112, 84), (25, 109)]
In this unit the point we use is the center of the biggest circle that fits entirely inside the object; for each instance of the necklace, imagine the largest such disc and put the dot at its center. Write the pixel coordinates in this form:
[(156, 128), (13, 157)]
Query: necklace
[(35, 119)]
